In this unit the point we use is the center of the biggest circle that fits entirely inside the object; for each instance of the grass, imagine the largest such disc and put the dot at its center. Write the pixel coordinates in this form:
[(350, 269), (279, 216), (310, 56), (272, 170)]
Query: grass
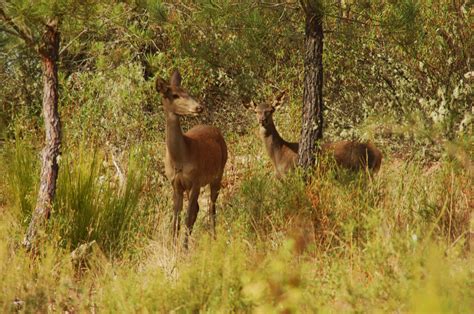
[(396, 243), (92, 205)]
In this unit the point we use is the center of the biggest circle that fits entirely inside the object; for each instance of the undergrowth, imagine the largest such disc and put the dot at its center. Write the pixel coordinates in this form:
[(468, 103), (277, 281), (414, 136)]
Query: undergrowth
[(397, 241)]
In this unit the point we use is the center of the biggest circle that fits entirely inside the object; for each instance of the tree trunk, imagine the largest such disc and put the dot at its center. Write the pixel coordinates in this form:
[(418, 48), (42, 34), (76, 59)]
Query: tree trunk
[(312, 127), (49, 52)]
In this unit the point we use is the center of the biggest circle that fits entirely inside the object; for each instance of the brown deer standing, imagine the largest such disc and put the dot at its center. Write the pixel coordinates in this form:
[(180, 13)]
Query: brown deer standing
[(347, 154), (193, 159)]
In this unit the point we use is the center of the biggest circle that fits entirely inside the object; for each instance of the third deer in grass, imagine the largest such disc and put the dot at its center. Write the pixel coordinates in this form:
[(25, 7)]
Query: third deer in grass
[(193, 159), (347, 154)]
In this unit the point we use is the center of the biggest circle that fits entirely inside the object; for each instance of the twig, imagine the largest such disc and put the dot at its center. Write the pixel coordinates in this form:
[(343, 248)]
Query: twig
[(72, 40), (120, 174)]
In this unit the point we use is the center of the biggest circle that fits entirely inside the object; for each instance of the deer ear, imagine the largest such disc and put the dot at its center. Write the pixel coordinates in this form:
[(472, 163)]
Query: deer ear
[(175, 79), (161, 85), (252, 105), (281, 96), (279, 100)]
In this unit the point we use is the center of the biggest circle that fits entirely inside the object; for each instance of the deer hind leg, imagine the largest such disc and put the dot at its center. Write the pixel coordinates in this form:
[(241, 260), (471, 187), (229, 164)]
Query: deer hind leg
[(193, 209), (177, 206), (215, 188)]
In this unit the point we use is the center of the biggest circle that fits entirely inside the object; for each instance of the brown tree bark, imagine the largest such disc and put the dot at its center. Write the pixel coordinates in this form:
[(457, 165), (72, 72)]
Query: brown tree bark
[(312, 127), (49, 52)]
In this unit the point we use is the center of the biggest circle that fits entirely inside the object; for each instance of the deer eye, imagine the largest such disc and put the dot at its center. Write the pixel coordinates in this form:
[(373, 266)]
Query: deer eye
[(175, 96)]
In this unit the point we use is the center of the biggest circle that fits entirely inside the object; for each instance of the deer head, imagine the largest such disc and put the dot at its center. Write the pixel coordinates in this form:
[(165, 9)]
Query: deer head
[(175, 98), (265, 111)]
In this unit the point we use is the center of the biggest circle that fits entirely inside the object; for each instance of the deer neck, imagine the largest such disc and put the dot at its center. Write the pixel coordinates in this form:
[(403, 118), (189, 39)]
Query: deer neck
[(271, 139), (175, 143)]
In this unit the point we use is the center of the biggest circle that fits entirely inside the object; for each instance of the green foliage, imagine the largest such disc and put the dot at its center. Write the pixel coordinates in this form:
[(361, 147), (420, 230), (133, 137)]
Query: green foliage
[(396, 73), (403, 18), (31, 17), (383, 61), (409, 76), (114, 107)]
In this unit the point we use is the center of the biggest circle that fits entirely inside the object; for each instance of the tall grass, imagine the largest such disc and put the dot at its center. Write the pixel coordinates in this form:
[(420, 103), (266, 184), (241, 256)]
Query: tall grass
[(91, 203), (397, 242), (21, 167)]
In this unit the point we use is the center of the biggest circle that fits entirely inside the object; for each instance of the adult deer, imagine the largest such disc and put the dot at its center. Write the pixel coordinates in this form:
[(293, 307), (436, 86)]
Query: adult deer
[(347, 154), (193, 159)]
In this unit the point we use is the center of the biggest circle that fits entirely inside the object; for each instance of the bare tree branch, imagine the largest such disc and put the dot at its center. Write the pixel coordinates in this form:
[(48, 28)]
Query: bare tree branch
[(351, 20), (72, 40)]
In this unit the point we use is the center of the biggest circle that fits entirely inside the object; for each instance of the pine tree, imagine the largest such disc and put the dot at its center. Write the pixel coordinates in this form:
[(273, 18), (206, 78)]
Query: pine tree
[(312, 124), (37, 25)]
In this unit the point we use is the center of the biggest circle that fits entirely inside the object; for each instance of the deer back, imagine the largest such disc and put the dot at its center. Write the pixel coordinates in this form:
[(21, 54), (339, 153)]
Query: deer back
[(354, 155)]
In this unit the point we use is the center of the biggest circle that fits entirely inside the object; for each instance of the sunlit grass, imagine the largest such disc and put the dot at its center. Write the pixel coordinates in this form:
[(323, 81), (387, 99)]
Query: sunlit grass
[(397, 241)]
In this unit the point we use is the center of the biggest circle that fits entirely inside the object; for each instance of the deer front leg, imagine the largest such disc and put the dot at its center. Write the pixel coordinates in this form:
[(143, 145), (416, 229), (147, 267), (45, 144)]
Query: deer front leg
[(177, 206), (193, 209)]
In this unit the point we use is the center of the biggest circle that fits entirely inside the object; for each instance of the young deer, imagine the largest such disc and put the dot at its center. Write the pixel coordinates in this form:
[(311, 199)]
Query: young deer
[(193, 159), (347, 154)]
